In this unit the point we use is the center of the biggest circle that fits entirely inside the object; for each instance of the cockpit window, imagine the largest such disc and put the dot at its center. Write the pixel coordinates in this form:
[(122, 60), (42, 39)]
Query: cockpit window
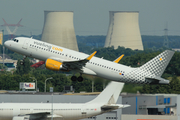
[(15, 40)]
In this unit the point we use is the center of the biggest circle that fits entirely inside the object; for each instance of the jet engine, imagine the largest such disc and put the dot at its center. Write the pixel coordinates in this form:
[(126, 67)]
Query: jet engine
[(53, 65), (21, 118)]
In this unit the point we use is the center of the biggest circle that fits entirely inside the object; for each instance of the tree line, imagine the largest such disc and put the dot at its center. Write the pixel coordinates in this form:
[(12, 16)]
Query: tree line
[(132, 58)]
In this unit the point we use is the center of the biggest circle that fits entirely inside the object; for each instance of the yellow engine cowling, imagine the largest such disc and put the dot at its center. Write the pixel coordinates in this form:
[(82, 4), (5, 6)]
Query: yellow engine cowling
[(53, 64)]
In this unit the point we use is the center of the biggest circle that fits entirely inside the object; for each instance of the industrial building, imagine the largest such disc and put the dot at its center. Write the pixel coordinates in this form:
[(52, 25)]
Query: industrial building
[(157, 106), (124, 30), (9, 63), (59, 29)]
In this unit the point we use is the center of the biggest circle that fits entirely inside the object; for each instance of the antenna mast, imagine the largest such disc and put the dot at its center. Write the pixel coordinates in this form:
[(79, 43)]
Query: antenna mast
[(166, 40)]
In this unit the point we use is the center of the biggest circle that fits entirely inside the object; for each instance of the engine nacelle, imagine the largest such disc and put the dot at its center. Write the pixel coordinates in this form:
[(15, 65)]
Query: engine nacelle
[(21, 118), (53, 64)]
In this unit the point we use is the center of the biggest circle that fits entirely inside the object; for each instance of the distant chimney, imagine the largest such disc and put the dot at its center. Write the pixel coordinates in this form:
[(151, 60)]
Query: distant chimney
[(124, 30), (59, 29)]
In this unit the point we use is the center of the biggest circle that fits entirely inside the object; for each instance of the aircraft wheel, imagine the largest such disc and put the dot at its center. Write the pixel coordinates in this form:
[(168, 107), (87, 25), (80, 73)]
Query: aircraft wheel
[(80, 79), (73, 78), (22, 62)]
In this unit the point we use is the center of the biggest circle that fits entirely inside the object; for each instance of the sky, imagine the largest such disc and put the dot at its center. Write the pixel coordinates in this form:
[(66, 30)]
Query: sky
[(91, 17)]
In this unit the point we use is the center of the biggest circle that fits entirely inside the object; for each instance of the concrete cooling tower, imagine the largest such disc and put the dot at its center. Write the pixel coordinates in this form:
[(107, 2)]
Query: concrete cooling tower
[(124, 30), (59, 29)]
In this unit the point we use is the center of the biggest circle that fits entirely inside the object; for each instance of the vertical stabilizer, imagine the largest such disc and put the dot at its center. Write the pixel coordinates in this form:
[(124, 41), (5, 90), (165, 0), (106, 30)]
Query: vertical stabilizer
[(110, 94), (158, 64)]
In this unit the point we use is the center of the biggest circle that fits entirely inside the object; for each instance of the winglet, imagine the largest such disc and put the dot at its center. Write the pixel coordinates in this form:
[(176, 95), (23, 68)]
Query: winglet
[(89, 58), (119, 58)]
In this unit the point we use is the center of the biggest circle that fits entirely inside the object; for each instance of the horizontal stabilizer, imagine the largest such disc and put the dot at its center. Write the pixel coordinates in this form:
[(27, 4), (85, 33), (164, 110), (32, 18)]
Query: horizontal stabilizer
[(114, 106), (158, 80)]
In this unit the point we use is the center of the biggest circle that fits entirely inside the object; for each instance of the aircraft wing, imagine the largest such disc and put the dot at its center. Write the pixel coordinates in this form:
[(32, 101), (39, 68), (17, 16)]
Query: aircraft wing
[(37, 115), (113, 106), (77, 64)]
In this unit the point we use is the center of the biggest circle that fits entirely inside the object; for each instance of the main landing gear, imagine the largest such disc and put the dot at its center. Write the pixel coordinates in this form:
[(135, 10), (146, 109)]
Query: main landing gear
[(79, 79), (22, 61)]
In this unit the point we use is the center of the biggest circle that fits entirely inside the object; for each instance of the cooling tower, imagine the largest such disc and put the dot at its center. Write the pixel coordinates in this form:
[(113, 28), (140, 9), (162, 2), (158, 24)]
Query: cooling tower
[(59, 29), (124, 30)]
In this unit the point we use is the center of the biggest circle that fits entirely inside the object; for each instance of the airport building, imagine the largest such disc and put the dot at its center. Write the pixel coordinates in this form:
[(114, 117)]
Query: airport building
[(9, 63), (143, 107), (59, 29), (124, 30)]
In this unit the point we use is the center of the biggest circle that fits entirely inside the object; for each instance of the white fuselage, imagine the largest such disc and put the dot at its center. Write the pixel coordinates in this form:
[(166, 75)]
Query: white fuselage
[(95, 66), (66, 111), (104, 102)]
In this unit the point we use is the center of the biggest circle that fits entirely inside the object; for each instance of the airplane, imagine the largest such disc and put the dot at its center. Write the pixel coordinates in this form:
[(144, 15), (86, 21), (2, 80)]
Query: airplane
[(104, 102), (58, 58)]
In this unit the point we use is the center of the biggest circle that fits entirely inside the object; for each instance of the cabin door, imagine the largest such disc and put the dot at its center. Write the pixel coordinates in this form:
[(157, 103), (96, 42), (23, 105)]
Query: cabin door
[(25, 45), (16, 111), (84, 111)]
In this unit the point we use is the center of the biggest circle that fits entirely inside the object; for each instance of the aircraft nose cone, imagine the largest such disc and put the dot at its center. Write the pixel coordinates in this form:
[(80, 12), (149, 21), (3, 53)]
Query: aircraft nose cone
[(7, 44)]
